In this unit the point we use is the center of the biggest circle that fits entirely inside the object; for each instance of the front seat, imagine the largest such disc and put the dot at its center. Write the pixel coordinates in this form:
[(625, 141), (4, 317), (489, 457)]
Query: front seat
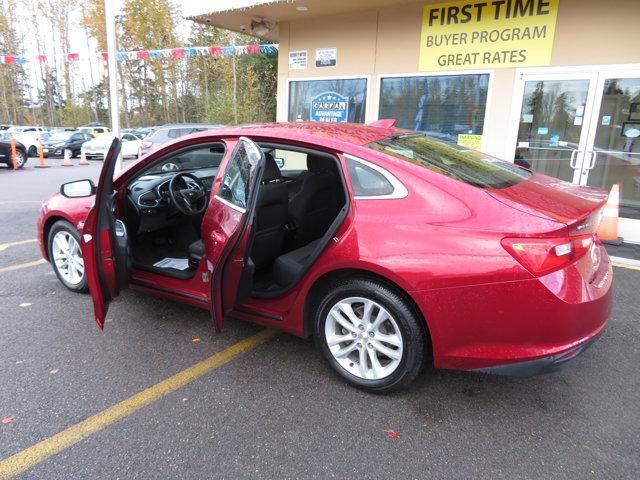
[(315, 203), (271, 215)]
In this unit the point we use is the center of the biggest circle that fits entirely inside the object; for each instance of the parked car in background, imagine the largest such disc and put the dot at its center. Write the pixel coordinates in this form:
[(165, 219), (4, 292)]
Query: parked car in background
[(392, 248), (97, 148), (143, 131), (61, 141), (94, 130), (169, 132), (5, 154), (31, 140)]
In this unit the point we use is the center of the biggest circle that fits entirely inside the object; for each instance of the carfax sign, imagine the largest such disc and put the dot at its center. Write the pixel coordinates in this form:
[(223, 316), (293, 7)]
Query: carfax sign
[(329, 107), (487, 34)]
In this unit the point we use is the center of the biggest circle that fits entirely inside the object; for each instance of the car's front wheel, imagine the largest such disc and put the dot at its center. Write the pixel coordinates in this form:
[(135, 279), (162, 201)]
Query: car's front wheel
[(21, 159), (33, 151), (370, 335), (66, 256)]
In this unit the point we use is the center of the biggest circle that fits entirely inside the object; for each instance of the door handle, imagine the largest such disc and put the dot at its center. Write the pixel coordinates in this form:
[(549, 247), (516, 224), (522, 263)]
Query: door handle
[(573, 162), (592, 162)]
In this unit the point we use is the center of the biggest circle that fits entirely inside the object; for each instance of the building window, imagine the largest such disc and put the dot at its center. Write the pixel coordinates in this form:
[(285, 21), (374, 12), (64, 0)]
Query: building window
[(336, 100), (443, 106)]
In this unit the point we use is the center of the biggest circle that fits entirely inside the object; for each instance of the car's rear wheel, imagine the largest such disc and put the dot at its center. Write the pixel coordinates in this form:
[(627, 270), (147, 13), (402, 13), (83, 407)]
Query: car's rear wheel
[(33, 151), (370, 335), (66, 256)]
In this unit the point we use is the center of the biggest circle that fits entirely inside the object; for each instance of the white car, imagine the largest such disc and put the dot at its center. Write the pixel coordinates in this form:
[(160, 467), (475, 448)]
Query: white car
[(26, 135), (98, 147)]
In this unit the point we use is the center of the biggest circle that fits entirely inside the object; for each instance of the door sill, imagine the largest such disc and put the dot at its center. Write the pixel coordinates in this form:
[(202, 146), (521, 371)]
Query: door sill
[(178, 293)]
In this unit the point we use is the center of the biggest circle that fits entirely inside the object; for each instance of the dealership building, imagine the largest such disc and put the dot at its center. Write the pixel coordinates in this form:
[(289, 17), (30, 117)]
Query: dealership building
[(552, 83)]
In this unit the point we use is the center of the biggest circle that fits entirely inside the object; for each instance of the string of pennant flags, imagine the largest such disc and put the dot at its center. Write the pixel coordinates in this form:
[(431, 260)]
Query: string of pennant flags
[(182, 52)]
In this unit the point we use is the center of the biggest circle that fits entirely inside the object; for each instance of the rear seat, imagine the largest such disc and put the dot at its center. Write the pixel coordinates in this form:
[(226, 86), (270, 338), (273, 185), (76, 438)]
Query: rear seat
[(288, 266)]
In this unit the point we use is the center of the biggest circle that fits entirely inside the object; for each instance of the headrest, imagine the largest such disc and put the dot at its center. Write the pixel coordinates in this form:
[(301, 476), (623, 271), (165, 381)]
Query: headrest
[(271, 170), (318, 164)]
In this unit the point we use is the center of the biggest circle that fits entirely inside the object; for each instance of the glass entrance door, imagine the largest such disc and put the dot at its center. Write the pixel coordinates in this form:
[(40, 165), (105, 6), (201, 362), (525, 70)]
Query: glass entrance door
[(584, 127), (552, 131), (613, 145)]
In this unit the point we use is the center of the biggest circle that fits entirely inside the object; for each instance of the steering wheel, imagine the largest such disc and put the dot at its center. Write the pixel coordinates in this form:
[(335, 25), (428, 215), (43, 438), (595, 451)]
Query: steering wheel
[(188, 194)]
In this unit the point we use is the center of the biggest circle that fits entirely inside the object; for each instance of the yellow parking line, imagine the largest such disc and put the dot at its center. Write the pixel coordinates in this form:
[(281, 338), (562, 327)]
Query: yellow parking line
[(20, 266), (4, 246), (39, 452), (623, 265)]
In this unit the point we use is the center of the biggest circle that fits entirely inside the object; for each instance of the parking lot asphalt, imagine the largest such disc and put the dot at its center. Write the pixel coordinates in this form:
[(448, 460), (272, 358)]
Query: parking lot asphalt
[(276, 410)]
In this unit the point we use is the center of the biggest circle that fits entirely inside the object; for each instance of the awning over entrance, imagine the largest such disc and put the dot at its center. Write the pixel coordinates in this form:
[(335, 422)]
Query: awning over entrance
[(261, 17)]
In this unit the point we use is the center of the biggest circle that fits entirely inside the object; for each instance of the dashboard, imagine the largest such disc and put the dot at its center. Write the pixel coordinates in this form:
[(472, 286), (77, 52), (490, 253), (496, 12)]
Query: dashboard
[(149, 202)]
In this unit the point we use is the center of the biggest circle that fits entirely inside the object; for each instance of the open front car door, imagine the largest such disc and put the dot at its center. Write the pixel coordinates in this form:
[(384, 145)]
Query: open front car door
[(228, 225), (105, 243)]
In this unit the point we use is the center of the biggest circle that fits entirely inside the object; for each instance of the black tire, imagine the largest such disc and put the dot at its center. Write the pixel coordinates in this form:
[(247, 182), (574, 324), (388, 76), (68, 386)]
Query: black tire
[(33, 151), (62, 225), (410, 324)]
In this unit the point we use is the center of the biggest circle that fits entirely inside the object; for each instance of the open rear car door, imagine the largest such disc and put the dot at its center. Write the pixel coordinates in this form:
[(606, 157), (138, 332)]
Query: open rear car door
[(105, 243), (228, 223)]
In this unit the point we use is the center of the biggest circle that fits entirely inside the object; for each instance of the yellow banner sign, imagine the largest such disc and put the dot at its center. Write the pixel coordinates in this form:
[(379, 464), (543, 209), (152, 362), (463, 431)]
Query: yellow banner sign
[(472, 34)]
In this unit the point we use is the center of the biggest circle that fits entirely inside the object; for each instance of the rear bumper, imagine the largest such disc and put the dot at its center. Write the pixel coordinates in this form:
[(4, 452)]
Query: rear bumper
[(540, 366), (521, 327)]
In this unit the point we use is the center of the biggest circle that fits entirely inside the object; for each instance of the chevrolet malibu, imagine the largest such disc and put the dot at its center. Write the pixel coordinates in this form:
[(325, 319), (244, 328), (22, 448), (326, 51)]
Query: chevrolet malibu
[(392, 249)]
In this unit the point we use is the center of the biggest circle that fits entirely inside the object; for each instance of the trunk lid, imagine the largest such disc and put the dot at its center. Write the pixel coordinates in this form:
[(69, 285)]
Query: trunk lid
[(552, 199)]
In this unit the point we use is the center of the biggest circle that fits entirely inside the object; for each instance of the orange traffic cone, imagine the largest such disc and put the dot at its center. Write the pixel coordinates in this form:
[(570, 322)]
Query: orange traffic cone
[(608, 229), (83, 159), (14, 155), (67, 158), (41, 153)]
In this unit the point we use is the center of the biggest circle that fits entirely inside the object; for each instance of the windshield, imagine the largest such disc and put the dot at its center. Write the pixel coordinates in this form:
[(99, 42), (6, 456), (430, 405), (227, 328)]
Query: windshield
[(200, 158), (448, 159), (60, 136)]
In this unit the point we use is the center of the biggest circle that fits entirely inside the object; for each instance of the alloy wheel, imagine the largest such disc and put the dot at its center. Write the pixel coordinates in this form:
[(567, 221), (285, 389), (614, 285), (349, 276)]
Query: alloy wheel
[(20, 158), (364, 338), (68, 257)]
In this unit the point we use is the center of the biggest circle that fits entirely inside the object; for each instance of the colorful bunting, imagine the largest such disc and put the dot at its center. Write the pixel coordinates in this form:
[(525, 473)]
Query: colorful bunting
[(182, 52)]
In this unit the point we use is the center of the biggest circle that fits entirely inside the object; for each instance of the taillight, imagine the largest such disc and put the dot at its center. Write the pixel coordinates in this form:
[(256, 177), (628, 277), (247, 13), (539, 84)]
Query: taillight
[(146, 144), (545, 255)]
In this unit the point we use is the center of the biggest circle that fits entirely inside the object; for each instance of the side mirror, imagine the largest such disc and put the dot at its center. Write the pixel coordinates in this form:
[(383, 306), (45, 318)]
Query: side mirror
[(280, 162), (78, 189)]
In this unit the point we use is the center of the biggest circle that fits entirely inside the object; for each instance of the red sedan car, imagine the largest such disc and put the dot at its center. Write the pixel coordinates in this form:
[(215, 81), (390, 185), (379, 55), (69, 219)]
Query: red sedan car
[(391, 248)]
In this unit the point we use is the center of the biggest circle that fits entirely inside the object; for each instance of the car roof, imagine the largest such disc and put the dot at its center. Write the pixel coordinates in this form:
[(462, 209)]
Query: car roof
[(315, 132)]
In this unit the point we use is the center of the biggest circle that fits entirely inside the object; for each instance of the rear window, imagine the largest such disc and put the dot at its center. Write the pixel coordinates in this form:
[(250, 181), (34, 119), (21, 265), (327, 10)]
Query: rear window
[(468, 166)]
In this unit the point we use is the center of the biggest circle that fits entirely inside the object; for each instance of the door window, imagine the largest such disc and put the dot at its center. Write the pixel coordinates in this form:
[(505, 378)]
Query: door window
[(551, 123), (235, 181), (616, 146)]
